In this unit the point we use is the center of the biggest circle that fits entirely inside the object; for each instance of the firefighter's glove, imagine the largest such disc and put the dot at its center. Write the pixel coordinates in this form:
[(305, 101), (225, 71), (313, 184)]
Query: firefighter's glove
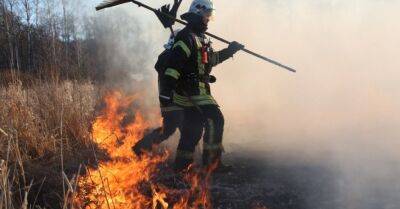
[(162, 16), (234, 47), (213, 79), (175, 7), (166, 98)]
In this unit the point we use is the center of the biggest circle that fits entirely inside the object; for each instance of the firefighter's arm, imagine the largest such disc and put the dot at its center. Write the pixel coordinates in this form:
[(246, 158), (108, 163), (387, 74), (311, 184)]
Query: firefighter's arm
[(180, 55), (220, 56)]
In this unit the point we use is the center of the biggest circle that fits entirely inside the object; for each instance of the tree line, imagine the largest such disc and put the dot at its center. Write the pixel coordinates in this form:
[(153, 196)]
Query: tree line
[(42, 37)]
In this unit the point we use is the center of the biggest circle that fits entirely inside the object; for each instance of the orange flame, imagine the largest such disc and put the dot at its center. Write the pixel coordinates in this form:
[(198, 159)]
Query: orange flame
[(121, 181)]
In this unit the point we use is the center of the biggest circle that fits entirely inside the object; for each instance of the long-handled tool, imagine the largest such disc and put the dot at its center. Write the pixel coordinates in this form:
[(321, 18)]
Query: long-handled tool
[(108, 4)]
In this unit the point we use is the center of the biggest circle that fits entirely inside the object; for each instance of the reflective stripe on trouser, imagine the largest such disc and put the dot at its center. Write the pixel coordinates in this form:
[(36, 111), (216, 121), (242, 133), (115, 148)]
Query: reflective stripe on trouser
[(194, 121), (212, 153), (184, 154), (212, 146)]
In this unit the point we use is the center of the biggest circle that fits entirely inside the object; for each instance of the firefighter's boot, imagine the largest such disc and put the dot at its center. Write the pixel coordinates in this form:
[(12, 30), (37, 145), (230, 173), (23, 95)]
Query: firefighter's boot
[(212, 160), (183, 160), (146, 143)]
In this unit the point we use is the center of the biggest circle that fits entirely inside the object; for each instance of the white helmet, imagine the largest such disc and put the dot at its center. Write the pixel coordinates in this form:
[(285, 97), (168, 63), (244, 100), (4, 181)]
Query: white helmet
[(171, 39), (202, 7)]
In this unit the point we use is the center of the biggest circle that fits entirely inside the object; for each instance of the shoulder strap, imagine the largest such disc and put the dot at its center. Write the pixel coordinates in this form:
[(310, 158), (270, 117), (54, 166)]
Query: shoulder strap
[(196, 40)]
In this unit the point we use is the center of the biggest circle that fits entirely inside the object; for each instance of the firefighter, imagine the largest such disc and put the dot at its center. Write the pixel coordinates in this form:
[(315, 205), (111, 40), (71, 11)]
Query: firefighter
[(172, 114), (187, 84)]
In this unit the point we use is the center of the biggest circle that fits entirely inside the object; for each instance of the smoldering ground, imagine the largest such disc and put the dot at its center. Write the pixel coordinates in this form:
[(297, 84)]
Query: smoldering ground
[(326, 136)]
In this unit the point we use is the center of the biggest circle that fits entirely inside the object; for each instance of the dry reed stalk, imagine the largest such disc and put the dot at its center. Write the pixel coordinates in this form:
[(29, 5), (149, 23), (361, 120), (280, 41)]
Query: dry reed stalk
[(70, 190), (5, 190), (25, 203), (3, 132), (46, 126)]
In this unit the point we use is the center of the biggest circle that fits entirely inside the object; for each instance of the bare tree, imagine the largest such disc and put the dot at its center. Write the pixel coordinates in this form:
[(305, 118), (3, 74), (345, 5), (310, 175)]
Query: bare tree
[(42, 35), (51, 21), (37, 7), (28, 15), (7, 27), (14, 32), (7, 23)]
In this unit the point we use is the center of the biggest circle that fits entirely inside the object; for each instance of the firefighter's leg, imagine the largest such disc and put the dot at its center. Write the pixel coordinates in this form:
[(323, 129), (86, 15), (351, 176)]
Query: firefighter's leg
[(214, 128), (171, 121), (145, 144), (192, 128)]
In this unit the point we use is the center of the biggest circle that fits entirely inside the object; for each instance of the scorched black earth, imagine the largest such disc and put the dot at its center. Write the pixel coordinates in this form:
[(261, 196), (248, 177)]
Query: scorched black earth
[(258, 181)]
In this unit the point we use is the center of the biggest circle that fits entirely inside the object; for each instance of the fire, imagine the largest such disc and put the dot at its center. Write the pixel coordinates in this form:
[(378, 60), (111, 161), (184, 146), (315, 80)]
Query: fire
[(124, 181)]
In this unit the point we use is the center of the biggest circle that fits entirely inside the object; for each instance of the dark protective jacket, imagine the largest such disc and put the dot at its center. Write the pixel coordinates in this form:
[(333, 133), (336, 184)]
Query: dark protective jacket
[(160, 67), (189, 67)]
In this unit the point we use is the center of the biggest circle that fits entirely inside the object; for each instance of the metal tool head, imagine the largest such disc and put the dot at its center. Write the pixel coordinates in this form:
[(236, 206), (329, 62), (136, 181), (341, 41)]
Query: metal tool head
[(110, 3)]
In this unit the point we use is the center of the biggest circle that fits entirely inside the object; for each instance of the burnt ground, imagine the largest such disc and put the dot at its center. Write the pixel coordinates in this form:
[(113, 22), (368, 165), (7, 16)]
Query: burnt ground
[(258, 180), (266, 178)]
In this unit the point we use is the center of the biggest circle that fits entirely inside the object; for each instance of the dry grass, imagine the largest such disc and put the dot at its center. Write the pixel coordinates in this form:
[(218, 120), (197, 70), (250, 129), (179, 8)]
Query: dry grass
[(44, 138)]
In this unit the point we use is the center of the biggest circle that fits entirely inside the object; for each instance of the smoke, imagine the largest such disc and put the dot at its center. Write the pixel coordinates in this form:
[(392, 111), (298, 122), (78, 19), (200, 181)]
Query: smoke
[(339, 111), (125, 41)]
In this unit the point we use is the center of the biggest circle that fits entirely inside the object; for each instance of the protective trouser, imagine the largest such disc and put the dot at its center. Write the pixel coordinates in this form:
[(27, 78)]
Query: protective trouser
[(196, 119), (172, 120)]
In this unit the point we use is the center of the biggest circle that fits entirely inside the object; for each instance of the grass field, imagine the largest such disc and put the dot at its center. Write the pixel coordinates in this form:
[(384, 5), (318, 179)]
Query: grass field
[(44, 134)]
